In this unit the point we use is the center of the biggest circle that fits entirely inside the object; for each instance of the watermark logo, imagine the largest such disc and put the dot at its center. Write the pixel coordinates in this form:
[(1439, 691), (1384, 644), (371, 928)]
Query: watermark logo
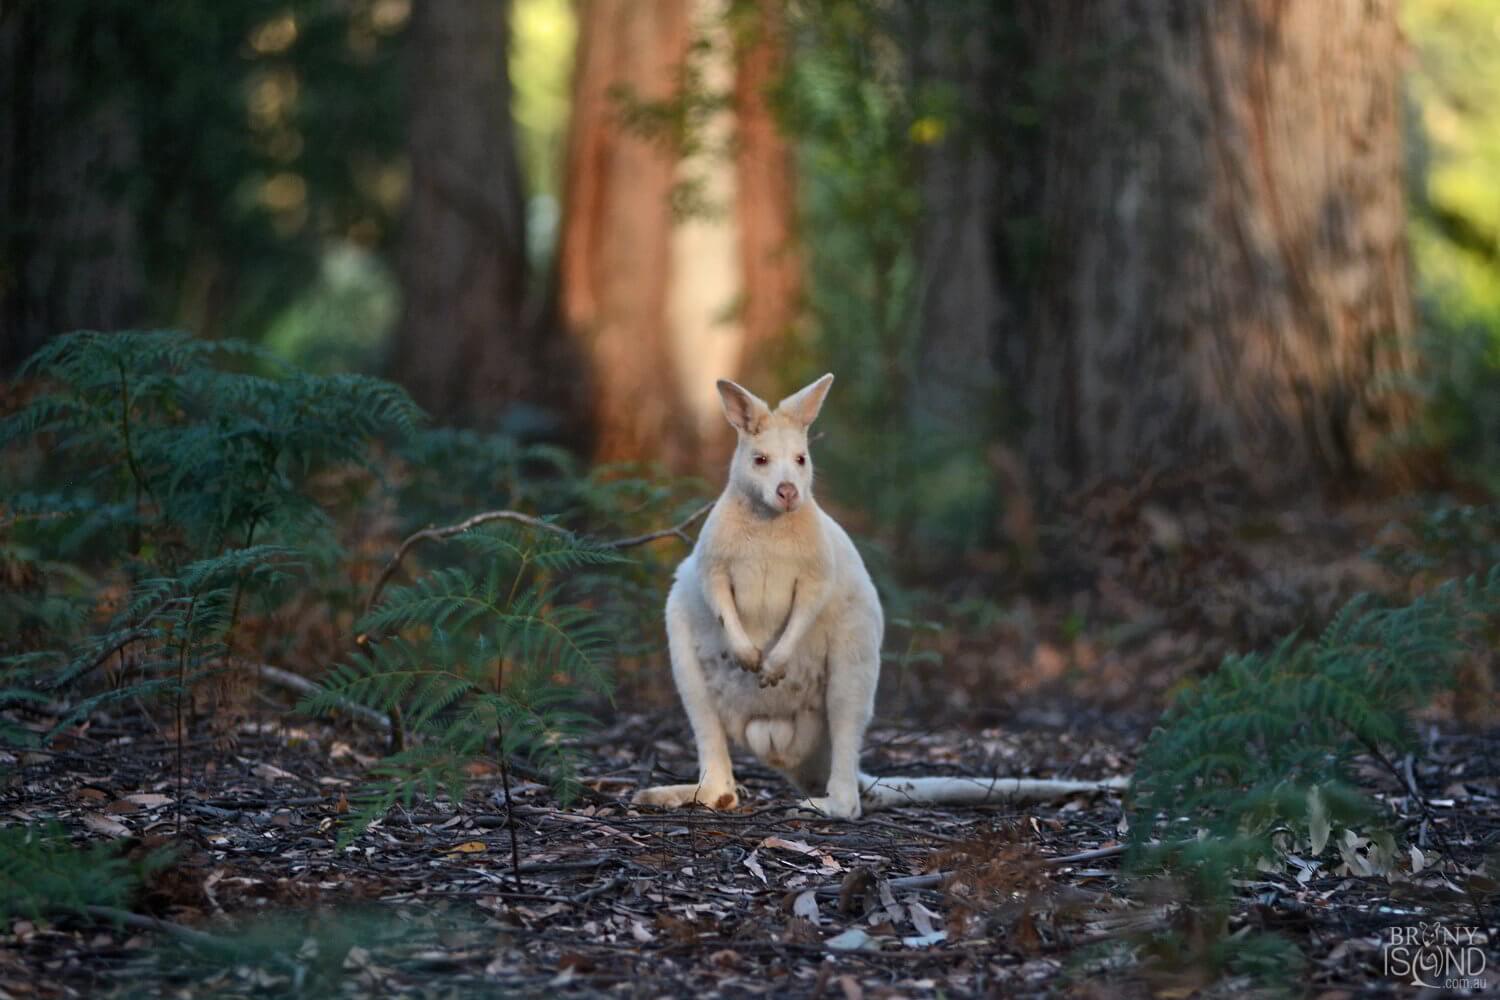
[(1436, 956)]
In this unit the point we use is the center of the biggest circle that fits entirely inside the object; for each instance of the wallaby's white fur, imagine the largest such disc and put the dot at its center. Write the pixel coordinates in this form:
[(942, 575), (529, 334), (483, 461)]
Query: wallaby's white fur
[(774, 630)]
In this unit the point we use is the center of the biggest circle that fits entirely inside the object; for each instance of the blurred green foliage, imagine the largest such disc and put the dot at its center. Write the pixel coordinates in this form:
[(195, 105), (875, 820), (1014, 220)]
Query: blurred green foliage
[(858, 123), (543, 36), (272, 167), (1454, 154), (266, 133)]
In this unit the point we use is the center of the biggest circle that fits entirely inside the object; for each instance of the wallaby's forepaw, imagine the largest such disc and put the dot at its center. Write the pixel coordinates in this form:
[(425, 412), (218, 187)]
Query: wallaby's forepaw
[(748, 657), (677, 796), (836, 807), (773, 669)]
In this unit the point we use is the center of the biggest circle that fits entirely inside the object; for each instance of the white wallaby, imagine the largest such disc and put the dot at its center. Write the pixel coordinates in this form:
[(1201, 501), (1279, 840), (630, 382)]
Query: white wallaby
[(774, 630)]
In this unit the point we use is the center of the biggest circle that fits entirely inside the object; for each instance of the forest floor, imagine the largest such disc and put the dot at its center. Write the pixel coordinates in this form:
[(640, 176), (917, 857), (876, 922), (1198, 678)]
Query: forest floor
[(259, 900), (1066, 680)]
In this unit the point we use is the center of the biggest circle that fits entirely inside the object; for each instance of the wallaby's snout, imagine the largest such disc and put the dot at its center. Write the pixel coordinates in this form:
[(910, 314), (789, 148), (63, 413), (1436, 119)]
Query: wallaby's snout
[(787, 494)]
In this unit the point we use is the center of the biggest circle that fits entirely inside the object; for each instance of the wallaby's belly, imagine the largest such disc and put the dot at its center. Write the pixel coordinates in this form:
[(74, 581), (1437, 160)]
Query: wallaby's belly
[(757, 717)]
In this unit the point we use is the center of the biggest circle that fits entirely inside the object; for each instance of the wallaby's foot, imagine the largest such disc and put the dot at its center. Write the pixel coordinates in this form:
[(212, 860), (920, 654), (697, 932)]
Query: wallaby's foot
[(837, 807), (677, 796)]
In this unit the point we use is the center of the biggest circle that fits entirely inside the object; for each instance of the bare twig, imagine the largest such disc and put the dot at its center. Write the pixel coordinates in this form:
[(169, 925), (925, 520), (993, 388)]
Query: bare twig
[(678, 530), (510, 816), (599, 890)]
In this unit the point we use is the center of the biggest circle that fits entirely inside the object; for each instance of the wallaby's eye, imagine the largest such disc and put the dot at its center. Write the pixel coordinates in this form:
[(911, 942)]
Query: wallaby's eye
[(801, 459), (761, 460)]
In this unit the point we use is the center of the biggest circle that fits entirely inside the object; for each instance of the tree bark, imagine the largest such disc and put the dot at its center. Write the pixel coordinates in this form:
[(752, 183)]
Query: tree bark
[(663, 302), (70, 254), (1219, 273), (766, 206), (463, 348), (615, 244), (1227, 275)]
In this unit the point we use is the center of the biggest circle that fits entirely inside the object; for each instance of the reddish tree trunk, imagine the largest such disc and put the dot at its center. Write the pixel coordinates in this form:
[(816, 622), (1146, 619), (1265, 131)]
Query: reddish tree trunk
[(767, 190), (665, 304), (614, 252)]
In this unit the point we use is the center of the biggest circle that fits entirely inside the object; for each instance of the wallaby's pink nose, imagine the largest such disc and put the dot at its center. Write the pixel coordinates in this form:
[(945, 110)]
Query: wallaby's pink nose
[(787, 493)]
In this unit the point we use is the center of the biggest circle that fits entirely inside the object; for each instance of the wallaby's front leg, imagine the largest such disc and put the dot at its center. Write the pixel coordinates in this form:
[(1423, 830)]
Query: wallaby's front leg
[(715, 787), (809, 596), (720, 595)]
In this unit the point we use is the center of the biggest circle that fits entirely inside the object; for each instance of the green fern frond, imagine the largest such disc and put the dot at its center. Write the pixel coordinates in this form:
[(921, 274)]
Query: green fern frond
[(1237, 754)]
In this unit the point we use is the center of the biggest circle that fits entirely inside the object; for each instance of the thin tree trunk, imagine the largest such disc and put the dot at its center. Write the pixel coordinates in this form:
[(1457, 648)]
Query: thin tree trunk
[(462, 347), (1226, 277)]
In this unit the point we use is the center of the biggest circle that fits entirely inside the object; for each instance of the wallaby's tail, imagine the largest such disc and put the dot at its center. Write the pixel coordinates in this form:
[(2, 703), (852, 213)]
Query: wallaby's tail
[(887, 793)]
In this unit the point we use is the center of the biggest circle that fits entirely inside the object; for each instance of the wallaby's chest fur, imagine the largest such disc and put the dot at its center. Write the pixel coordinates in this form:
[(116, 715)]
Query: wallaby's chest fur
[(767, 565)]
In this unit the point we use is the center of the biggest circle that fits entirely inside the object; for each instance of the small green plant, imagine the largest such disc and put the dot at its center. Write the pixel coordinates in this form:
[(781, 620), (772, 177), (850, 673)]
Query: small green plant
[(1241, 752), (470, 662), (42, 873), (1255, 766)]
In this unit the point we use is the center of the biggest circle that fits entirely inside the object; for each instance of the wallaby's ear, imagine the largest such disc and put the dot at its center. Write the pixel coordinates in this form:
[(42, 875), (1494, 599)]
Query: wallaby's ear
[(804, 404), (746, 411)]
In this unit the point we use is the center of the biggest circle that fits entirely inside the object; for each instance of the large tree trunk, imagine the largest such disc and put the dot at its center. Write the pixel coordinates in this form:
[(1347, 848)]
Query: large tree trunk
[(1199, 247), (1227, 277), (666, 302), (462, 347), (70, 255)]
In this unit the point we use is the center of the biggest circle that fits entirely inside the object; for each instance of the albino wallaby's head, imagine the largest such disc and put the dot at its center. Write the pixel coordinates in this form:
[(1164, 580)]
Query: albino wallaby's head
[(771, 465)]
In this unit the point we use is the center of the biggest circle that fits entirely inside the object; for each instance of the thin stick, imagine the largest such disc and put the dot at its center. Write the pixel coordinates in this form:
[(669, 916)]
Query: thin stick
[(181, 735), (300, 684), (678, 530), (510, 817)]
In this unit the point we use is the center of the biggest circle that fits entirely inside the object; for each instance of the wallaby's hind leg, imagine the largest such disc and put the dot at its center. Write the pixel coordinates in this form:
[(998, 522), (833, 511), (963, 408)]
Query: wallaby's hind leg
[(715, 787), (851, 700), (811, 773)]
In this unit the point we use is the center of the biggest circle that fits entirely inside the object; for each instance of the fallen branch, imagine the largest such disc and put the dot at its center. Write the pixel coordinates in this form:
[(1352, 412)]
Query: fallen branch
[(141, 922), (300, 684), (936, 879)]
